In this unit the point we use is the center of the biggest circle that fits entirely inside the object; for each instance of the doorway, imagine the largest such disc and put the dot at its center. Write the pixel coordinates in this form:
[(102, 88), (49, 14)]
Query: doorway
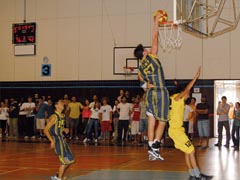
[(228, 88)]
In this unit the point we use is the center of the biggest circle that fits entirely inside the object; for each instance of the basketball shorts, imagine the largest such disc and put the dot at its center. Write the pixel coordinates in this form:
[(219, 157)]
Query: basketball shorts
[(63, 151), (180, 139), (157, 100)]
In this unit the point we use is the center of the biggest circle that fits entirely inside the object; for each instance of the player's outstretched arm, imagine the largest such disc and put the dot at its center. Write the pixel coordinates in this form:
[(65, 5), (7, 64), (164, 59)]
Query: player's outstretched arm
[(154, 48), (190, 85)]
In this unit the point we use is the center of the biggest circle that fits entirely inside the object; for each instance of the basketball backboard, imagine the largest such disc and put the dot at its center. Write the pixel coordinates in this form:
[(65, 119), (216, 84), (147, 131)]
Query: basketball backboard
[(204, 18), (123, 58)]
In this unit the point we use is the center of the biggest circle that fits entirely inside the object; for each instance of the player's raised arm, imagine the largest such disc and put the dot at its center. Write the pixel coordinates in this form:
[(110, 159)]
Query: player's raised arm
[(154, 48), (190, 85)]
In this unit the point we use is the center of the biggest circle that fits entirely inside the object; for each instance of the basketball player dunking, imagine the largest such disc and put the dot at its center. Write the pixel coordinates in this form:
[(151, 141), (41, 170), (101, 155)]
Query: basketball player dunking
[(152, 79)]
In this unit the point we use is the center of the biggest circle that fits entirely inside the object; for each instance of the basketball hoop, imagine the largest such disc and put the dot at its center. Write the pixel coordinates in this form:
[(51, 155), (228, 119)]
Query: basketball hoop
[(128, 70), (170, 35)]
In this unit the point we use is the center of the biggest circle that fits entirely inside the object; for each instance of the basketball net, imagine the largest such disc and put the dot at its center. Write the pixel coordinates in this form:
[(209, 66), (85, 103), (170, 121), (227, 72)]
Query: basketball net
[(170, 36), (128, 70)]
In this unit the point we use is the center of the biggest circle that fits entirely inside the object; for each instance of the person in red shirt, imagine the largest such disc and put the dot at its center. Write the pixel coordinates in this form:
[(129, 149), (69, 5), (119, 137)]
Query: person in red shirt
[(86, 113), (135, 121)]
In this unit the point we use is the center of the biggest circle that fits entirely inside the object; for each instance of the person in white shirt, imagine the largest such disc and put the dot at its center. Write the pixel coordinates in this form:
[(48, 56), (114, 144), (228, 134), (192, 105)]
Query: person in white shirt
[(187, 111), (124, 109), (28, 122), (93, 123), (3, 119), (106, 119)]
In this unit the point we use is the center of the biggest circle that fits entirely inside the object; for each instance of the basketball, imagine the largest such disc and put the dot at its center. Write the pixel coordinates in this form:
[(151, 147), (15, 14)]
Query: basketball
[(163, 17)]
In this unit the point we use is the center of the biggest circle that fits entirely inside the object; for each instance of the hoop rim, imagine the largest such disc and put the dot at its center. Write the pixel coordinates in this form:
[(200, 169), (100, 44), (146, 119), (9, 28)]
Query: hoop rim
[(129, 67), (168, 24)]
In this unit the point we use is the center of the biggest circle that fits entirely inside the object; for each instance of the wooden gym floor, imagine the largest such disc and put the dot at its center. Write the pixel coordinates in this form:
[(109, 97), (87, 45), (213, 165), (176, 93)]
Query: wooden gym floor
[(34, 160)]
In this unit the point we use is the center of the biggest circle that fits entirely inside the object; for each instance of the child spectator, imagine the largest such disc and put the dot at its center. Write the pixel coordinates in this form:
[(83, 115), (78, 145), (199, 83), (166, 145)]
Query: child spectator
[(135, 121)]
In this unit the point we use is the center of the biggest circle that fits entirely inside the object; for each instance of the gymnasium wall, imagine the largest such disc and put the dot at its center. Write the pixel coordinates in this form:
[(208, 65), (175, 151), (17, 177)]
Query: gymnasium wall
[(78, 38)]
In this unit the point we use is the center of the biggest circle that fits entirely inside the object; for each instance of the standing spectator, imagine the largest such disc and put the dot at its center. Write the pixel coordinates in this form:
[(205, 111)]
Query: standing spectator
[(74, 108), (192, 118), (3, 119), (13, 118), (66, 101), (86, 115), (236, 126), (115, 119), (124, 117), (223, 121), (121, 94), (28, 121), (106, 119), (202, 111), (143, 124), (187, 110), (44, 100), (41, 116), (21, 119), (6, 102), (50, 110), (135, 121), (36, 97), (95, 99), (127, 95), (93, 123), (231, 115)]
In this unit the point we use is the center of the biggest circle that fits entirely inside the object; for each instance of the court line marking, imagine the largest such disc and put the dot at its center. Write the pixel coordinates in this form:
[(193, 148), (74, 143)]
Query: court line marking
[(7, 172)]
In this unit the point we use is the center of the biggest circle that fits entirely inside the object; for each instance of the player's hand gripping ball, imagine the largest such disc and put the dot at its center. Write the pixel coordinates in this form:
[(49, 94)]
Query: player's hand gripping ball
[(163, 16)]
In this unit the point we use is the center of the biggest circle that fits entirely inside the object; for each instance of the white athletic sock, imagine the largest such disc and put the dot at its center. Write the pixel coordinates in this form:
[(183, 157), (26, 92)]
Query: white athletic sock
[(156, 140), (191, 172), (150, 143), (196, 172)]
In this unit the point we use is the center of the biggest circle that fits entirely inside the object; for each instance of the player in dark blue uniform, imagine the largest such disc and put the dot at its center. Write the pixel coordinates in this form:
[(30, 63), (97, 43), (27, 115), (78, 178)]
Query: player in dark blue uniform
[(152, 79), (54, 131)]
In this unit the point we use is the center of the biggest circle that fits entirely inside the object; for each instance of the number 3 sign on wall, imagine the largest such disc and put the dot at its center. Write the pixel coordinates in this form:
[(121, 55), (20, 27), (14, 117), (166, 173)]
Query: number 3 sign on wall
[(46, 69)]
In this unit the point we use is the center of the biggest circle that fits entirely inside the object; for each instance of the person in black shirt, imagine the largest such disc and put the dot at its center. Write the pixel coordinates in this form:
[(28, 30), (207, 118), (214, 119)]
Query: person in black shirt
[(13, 118), (202, 110)]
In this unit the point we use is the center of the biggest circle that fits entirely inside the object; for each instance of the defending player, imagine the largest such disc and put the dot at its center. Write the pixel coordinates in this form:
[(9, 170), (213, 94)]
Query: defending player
[(152, 79), (54, 132), (176, 129)]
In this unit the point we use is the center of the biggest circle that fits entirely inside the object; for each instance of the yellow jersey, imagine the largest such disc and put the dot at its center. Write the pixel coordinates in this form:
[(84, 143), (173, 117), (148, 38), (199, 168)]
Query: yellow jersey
[(176, 113)]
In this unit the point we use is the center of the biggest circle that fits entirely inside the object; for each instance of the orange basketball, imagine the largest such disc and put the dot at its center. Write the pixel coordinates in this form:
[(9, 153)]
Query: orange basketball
[(163, 17)]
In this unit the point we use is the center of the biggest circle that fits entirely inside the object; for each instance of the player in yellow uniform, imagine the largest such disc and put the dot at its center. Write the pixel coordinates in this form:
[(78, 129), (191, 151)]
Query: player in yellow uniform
[(176, 129), (152, 79)]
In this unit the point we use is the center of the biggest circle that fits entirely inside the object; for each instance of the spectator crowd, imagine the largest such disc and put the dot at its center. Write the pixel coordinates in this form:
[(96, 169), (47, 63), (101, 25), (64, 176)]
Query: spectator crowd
[(125, 120)]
